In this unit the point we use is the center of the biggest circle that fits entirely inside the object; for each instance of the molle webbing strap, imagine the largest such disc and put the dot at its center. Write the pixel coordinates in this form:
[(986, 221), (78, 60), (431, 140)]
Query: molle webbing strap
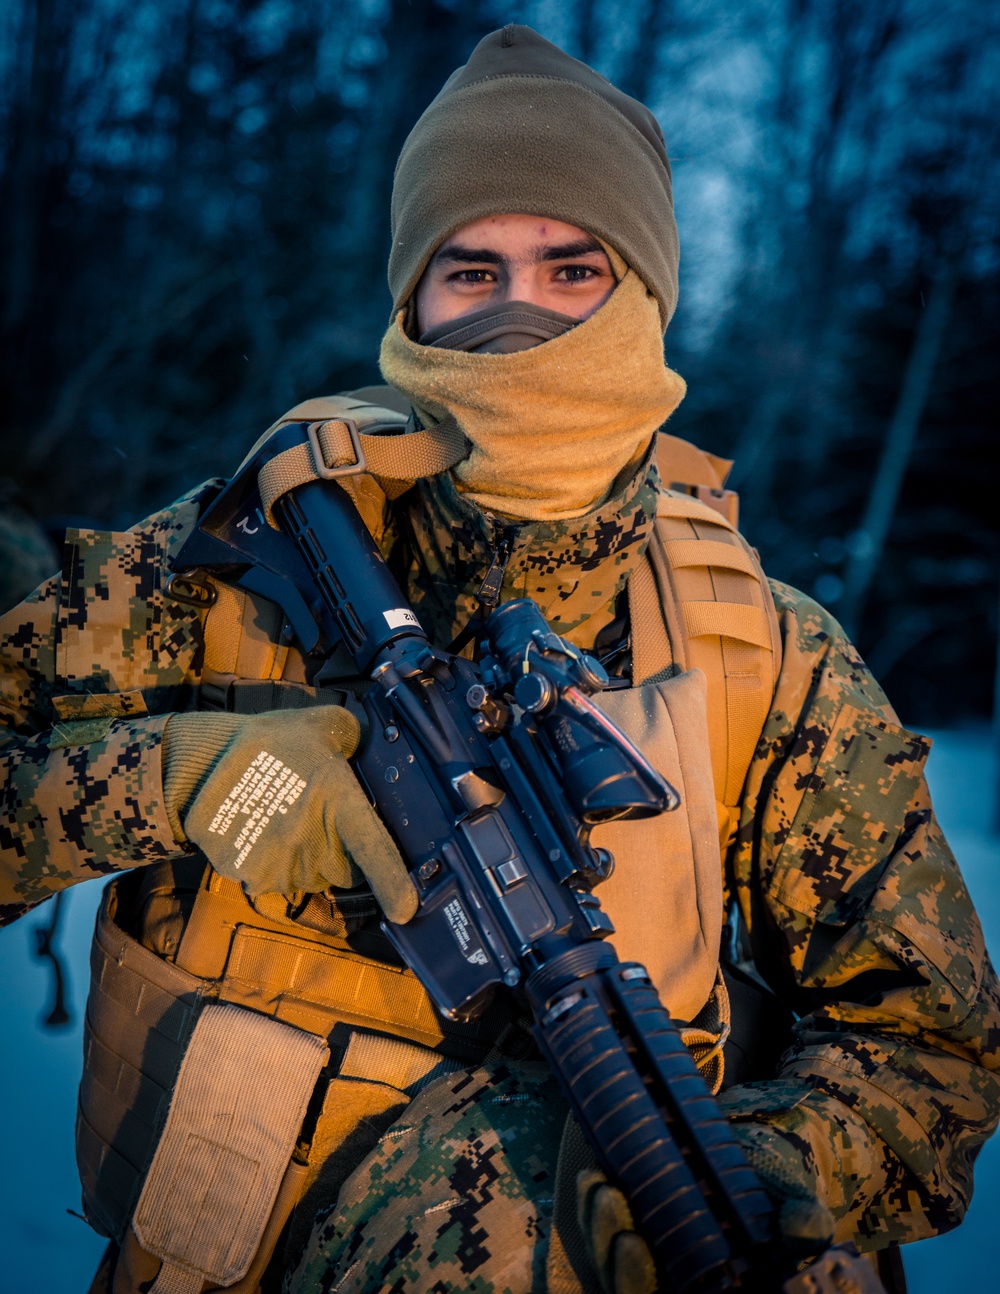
[(684, 466), (314, 987), (243, 636), (310, 981), (652, 657), (394, 457), (728, 620), (406, 1065), (236, 1111), (253, 696), (708, 552), (719, 617)]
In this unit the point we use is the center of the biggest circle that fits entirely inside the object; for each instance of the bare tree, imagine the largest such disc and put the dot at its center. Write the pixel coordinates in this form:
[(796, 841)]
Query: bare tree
[(876, 522)]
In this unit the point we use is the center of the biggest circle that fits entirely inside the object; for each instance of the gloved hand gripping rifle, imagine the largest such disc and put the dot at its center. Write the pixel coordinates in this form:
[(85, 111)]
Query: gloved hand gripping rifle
[(490, 777)]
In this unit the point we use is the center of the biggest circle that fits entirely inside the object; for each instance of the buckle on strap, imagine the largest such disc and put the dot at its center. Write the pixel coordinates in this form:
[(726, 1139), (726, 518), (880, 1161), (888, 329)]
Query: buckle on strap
[(319, 460), (186, 587)]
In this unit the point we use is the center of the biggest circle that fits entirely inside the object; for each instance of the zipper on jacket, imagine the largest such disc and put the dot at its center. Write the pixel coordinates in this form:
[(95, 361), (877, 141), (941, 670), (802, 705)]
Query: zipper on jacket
[(488, 593)]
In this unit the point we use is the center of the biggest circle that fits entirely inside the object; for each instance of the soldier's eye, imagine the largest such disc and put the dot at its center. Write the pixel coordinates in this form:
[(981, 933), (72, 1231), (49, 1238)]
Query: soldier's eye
[(576, 273), (473, 277)]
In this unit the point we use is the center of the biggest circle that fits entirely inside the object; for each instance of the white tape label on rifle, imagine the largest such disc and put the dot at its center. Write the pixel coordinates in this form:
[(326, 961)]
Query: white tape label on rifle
[(399, 617)]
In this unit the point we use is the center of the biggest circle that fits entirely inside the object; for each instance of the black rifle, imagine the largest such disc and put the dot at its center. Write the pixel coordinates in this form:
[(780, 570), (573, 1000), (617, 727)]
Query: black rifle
[(490, 777)]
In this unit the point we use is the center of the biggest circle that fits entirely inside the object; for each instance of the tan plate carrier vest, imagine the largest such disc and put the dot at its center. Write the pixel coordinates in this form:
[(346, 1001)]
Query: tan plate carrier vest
[(698, 601)]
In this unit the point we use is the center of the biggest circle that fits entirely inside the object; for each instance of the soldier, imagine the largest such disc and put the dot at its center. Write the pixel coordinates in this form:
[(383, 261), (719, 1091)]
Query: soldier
[(266, 1090)]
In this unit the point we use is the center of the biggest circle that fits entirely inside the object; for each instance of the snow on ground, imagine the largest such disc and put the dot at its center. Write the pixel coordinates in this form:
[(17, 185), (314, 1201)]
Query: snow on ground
[(45, 1250)]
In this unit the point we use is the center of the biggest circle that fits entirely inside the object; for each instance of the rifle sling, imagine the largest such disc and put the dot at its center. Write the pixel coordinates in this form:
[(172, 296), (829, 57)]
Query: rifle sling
[(391, 458)]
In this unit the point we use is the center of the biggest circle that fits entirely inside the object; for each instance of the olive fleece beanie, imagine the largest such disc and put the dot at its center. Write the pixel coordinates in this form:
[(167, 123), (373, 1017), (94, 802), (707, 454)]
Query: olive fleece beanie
[(523, 128)]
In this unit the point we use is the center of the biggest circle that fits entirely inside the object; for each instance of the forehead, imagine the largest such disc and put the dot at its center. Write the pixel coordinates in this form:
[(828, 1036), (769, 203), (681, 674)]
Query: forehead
[(514, 233)]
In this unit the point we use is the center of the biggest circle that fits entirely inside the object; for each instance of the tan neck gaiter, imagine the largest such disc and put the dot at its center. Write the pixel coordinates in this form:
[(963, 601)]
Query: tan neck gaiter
[(552, 427)]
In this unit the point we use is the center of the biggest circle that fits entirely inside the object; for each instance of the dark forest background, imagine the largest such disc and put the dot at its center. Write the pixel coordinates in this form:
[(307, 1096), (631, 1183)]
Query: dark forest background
[(194, 210)]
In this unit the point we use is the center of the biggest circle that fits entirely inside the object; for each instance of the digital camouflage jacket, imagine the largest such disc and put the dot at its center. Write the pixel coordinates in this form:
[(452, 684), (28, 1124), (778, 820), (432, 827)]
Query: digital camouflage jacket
[(855, 909)]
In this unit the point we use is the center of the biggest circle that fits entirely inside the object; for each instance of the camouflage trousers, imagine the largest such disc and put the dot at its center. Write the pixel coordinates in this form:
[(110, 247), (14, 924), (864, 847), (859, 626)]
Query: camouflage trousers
[(456, 1196)]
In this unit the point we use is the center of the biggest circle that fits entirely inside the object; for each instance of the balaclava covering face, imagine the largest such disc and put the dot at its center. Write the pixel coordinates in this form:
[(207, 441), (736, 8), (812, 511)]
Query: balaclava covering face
[(555, 426), (555, 411)]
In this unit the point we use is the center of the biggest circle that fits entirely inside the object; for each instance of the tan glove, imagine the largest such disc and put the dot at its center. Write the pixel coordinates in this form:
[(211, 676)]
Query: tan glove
[(272, 802), (624, 1264), (621, 1257), (840, 1270)]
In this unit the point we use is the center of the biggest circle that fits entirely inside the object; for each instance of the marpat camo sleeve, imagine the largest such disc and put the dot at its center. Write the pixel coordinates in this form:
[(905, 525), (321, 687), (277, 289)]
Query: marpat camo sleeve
[(859, 917), (91, 666)]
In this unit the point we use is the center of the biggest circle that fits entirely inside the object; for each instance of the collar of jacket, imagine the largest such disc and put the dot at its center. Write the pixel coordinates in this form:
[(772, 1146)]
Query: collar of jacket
[(574, 569)]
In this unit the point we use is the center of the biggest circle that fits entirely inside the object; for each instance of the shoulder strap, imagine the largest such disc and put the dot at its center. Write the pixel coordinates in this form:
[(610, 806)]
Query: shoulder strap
[(350, 438), (690, 470), (716, 614)]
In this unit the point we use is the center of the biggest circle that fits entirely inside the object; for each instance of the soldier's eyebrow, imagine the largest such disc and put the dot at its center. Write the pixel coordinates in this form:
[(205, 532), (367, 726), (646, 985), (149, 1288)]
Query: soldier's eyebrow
[(457, 253), (566, 251), (468, 255)]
